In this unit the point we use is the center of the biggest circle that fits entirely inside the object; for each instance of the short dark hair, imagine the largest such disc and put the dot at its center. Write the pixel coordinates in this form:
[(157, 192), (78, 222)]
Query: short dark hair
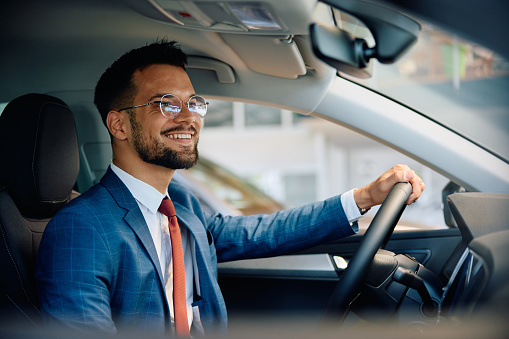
[(115, 88)]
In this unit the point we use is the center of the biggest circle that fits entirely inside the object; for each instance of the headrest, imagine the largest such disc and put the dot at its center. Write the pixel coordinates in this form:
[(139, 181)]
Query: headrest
[(38, 154)]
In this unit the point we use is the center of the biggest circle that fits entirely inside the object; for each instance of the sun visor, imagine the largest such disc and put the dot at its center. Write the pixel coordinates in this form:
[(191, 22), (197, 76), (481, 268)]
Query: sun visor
[(281, 55)]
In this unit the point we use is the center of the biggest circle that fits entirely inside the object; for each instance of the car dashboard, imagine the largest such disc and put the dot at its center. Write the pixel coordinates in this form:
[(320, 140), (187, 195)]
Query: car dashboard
[(474, 279), (469, 284), (478, 285)]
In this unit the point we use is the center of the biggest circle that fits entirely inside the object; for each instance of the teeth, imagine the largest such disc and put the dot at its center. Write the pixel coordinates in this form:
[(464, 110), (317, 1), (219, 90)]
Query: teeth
[(179, 136)]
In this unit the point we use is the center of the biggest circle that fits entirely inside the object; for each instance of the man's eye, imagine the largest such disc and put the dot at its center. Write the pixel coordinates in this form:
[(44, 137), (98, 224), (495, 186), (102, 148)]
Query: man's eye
[(169, 107)]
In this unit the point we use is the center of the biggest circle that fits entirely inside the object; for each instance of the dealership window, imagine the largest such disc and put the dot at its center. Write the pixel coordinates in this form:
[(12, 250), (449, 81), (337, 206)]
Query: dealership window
[(300, 188), (257, 115), (239, 116), (220, 114)]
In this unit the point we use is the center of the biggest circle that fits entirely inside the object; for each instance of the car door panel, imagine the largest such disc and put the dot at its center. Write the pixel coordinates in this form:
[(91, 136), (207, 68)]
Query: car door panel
[(301, 284)]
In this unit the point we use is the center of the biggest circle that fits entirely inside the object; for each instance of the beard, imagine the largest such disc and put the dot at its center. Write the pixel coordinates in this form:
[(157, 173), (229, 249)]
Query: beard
[(154, 151)]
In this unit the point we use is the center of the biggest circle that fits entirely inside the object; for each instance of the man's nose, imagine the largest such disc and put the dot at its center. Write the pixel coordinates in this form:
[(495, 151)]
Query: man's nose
[(185, 116)]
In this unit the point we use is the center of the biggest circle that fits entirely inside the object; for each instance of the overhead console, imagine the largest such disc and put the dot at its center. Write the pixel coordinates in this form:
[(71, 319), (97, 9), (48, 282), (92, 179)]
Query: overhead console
[(241, 17), (272, 26)]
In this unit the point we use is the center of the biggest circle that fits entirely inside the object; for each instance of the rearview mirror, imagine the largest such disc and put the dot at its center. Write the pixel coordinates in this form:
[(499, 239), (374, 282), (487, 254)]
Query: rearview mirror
[(340, 50), (393, 33)]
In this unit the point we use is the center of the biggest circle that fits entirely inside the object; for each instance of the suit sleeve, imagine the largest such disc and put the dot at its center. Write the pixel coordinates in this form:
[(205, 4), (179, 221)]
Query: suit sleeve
[(280, 233), (73, 275)]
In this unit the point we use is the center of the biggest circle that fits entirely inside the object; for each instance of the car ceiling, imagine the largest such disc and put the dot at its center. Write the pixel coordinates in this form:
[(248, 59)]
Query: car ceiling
[(42, 42)]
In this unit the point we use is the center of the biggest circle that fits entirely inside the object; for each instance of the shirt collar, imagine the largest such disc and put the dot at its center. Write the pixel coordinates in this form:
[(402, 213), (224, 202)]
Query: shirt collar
[(145, 194)]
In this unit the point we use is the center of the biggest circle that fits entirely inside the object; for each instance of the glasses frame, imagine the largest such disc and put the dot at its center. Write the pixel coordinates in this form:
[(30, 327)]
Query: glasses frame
[(174, 115)]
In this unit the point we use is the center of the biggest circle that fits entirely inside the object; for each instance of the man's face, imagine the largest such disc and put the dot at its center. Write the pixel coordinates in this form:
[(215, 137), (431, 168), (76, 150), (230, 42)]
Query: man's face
[(158, 140)]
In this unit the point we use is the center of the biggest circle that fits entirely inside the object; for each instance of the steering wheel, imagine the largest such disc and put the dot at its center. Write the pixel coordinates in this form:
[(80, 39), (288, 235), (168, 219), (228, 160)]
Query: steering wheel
[(377, 234)]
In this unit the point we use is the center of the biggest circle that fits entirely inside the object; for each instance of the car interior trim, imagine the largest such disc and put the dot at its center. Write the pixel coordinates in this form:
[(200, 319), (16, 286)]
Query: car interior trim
[(224, 72), (305, 266)]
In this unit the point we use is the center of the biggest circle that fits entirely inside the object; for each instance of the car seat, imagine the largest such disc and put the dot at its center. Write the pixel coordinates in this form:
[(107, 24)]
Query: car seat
[(38, 169)]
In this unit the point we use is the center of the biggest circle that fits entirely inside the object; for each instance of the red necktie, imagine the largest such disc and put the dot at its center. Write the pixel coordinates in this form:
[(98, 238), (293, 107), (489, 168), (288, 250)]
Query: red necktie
[(179, 274)]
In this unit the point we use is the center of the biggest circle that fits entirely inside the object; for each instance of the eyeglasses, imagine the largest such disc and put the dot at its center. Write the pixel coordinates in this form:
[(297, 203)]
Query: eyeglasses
[(171, 106)]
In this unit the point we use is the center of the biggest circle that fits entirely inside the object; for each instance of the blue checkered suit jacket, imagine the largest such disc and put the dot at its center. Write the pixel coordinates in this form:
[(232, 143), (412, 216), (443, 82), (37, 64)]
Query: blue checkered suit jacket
[(98, 268)]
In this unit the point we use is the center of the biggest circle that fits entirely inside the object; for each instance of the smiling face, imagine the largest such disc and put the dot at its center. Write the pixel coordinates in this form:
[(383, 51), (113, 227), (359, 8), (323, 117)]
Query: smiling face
[(158, 140)]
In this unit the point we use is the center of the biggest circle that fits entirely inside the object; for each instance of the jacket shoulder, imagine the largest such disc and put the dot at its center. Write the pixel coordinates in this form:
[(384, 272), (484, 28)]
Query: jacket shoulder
[(183, 195)]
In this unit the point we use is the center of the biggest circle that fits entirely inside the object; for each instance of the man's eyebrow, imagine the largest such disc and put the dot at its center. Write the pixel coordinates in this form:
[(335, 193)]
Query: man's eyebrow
[(160, 95), (156, 96)]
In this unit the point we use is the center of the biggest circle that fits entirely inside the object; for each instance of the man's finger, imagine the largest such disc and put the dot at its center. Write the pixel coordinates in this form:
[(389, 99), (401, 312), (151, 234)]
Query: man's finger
[(417, 188), (408, 175)]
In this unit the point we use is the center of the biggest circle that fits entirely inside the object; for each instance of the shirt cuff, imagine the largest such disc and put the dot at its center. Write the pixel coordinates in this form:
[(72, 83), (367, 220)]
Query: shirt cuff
[(351, 209)]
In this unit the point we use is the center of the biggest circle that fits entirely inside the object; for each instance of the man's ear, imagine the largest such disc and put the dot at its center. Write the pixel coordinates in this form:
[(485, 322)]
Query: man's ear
[(117, 125)]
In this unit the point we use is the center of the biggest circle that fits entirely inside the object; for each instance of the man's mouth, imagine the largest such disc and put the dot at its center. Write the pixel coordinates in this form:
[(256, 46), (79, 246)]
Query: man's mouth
[(180, 133), (179, 136)]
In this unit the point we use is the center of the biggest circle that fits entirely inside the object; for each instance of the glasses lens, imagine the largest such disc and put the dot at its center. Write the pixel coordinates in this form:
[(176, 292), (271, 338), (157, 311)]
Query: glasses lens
[(198, 105), (170, 106)]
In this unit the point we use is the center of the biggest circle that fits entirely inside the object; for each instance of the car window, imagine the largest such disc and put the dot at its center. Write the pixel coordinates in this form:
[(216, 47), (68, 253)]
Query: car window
[(228, 188), (297, 159), (457, 83)]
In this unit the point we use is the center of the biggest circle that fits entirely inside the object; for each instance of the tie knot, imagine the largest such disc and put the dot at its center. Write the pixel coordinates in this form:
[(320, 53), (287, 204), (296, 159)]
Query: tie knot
[(167, 208)]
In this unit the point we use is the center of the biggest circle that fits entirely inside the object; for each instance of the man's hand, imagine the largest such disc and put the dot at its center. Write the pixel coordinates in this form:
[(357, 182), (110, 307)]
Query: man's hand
[(375, 193)]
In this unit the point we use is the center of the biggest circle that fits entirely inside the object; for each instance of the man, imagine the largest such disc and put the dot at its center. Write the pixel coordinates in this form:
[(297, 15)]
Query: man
[(107, 260)]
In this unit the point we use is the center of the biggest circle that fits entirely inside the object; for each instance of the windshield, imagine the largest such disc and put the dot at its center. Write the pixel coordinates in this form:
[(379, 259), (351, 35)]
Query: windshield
[(452, 81)]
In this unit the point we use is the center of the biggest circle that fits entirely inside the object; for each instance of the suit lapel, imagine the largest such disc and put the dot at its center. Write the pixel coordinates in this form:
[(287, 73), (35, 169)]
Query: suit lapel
[(133, 217), (188, 219)]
